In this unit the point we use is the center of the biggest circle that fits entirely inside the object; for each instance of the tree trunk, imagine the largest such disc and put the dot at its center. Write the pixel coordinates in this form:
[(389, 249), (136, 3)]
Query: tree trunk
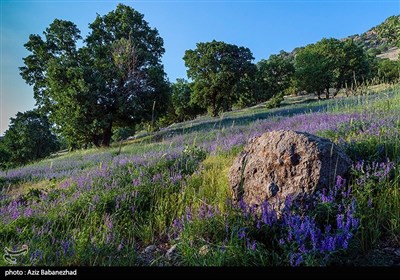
[(319, 95), (214, 108), (327, 93), (107, 133), (214, 112), (336, 92), (95, 140)]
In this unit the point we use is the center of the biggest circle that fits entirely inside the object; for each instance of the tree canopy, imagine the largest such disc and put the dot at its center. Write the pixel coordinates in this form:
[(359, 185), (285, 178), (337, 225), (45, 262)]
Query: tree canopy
[(388, 70), (183, 107), (274, 75), (28, 138), (115, 78), (219, 72), (330, 63)]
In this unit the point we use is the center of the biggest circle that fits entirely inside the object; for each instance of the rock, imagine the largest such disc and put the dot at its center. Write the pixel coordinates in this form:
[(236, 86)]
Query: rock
[(150, 249), (204, 250), (282, 163), (397, 252), (170, 254)]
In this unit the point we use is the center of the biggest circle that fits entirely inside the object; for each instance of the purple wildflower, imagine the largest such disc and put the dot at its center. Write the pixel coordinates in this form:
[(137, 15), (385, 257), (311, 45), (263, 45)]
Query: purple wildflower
[(108, 221), (136, 182), (188, 214), (251, 245), (67, 247), (339, 220), (28, 212), (298, 261), (109, 236), (242, 233), (36, 256)]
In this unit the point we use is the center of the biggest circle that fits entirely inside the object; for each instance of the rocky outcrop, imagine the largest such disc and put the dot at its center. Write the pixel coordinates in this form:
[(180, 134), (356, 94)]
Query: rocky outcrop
[(282, 163)]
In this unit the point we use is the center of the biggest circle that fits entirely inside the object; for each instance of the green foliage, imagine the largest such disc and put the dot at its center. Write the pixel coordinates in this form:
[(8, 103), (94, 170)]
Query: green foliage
[(355, 67), (219, 72), (374, 178), (331, 63), (311, 70), (184, 108), (122, 133), (275, 101), (273, 76), (388, 70), (390, 30), (373, 52), (28, 138), (4, 154), (116, 78), (379, 200)]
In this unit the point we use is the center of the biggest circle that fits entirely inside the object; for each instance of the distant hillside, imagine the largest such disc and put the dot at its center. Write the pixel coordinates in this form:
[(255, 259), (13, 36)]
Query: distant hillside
[(392, 53), (375, 42)]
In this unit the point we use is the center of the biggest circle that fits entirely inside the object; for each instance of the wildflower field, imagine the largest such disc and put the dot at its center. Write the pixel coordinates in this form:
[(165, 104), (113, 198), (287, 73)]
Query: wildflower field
[(105, 206)]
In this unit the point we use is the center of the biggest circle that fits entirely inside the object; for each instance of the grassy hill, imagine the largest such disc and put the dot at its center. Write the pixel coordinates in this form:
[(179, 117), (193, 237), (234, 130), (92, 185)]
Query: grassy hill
[(376, 44), (166, 200), (372, 42)]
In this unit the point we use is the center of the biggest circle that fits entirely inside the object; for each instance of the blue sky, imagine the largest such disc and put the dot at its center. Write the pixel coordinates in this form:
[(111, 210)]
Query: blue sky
[(264, 26)]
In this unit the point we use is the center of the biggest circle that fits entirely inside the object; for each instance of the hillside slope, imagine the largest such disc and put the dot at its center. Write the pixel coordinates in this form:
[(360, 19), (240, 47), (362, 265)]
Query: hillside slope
[(375, 43)]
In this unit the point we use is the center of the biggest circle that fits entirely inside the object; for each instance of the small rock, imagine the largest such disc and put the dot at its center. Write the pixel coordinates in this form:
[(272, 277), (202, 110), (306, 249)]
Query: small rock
[(388, 249), (397, 252), (150, 249), (204, 250), (170, 254)]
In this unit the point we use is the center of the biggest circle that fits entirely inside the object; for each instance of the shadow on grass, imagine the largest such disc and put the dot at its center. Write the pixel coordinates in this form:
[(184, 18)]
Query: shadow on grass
[(242, 117), (259, 112), (373, 150)]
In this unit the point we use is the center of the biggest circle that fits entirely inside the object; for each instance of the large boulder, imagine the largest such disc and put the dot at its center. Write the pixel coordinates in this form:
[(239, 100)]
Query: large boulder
[(282, 163)]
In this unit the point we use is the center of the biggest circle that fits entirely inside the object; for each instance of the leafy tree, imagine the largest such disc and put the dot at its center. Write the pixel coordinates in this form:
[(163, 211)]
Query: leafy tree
[(115, 79), (4, 154), (274, 75), (354, 65), (219, 72), (388, 70), (332, 51), (28, 138), (130, 78), (246, 91), (331, 63), (311, 70), (184, 109)]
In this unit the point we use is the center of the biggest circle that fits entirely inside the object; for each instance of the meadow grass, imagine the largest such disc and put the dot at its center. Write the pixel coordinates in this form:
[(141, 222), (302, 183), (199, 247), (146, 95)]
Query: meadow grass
[(105, 206)]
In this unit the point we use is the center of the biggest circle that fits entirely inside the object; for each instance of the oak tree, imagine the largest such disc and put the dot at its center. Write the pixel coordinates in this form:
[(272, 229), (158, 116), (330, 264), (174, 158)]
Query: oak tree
[(218, 71), (115, 78)]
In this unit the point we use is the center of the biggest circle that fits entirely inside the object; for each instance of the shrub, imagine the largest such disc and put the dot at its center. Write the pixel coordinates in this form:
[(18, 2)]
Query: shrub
[(275, 101)]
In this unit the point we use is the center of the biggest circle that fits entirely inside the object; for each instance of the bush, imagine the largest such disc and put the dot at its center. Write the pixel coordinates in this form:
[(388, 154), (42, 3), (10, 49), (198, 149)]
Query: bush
[(275, 101)]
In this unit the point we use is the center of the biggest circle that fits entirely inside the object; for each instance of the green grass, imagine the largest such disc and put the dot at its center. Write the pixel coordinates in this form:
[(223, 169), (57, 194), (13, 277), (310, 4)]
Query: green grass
[(109, 219)]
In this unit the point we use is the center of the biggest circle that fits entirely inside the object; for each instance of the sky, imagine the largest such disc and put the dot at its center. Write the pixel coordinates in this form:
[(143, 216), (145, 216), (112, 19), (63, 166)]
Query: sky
[(263, 26)]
